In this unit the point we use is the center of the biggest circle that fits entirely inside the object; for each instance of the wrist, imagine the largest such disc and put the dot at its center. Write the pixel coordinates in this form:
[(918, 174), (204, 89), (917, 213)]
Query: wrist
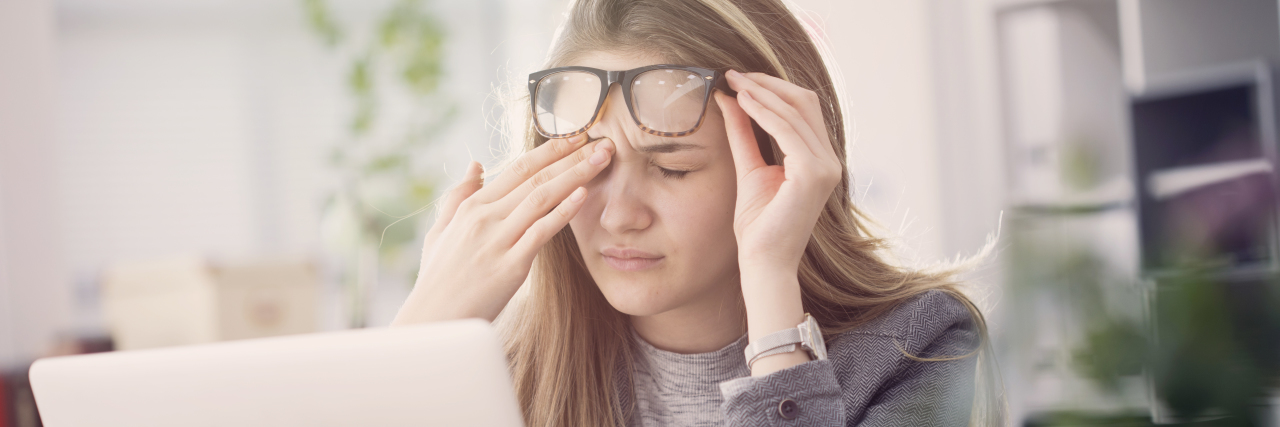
[(768, 286), (772, 301), (767, 264), (771, 292), (421, 307)]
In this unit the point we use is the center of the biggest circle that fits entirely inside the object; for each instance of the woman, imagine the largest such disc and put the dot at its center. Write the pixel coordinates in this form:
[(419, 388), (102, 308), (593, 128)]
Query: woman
[(712, 251)]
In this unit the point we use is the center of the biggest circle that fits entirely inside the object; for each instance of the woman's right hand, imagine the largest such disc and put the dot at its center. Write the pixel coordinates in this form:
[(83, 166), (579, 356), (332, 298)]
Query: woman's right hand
[(482, 245)]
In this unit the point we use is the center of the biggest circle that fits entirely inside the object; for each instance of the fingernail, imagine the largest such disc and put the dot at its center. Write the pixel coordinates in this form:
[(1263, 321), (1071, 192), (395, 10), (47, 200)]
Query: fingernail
[(745, 95), (602, 151), (576, 139), (577, 194), (735, 73), (599, 157)]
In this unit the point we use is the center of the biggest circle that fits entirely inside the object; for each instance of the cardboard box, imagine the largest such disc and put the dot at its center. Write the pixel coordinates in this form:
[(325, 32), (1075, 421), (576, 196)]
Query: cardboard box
[(183, 301)]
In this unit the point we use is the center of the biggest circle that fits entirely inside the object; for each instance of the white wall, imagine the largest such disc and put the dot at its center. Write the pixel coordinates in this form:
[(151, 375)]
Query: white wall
[(192, 129), (934, 177), (884, 53), (33, 301)]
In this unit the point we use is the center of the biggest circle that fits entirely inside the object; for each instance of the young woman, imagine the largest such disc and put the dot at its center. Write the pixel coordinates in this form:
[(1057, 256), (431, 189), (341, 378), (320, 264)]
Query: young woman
[(675, 243)]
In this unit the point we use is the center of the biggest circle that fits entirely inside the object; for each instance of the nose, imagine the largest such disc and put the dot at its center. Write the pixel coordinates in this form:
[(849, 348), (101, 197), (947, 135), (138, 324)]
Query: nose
[(624, 208), (623, 195)]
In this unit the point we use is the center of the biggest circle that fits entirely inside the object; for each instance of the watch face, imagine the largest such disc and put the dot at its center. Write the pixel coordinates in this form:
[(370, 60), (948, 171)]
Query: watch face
[(814, 337)]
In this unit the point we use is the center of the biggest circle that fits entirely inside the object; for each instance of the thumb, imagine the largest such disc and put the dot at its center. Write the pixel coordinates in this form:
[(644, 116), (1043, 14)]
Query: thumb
[(470, 184)]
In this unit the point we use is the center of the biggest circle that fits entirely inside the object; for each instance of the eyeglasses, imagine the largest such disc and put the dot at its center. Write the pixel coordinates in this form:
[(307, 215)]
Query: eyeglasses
[(664, 100)]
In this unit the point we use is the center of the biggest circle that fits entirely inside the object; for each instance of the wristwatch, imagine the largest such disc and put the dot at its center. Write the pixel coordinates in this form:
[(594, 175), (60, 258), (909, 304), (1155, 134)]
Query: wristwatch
[(806, 334)]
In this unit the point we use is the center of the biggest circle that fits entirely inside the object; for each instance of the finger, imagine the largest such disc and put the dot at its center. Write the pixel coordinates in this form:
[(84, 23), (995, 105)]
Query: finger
[(546, 227), (528, 164), (803, 100), (543, 198), (513, 198), (789, 141), (471, 182), (742, 138), (779, 107)]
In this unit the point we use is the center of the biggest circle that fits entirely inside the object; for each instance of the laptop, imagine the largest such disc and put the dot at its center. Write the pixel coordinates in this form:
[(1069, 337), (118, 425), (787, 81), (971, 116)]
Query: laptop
[(441, 374)]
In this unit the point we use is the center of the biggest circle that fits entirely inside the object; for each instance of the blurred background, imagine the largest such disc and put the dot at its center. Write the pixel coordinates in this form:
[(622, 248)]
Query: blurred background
[(184, 172)]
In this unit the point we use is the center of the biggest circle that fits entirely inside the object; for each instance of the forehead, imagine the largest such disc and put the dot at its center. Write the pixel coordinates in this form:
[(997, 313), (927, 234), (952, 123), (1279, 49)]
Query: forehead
[(615, 60)]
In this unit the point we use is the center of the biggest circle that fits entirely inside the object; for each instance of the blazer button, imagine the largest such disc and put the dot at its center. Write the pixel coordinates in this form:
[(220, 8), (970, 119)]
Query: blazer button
[(788, 409)]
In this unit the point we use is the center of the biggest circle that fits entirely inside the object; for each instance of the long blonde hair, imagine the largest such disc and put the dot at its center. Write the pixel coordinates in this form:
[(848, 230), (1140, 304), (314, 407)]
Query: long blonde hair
[(567, 345)]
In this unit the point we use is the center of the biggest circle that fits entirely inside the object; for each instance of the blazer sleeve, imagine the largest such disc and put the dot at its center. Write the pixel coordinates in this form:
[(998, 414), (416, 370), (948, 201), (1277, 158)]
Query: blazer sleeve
[(868, 381), (885, 387), (802, 395), (925, 393)]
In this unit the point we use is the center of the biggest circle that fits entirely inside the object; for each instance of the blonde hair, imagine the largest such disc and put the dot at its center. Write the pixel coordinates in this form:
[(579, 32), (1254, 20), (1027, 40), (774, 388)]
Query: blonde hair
[(567, 344)]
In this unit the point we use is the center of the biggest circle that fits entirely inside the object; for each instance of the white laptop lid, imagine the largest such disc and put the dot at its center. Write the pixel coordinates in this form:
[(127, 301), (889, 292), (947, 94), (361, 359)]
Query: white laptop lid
[(442, 374)]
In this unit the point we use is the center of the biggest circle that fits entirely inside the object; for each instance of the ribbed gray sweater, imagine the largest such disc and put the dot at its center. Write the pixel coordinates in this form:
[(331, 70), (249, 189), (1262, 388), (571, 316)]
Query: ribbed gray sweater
[(674, 389), (866, 380)]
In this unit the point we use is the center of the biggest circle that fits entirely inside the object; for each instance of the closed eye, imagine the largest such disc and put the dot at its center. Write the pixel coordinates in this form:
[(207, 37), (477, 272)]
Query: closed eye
[(666, 173), (673, 174)]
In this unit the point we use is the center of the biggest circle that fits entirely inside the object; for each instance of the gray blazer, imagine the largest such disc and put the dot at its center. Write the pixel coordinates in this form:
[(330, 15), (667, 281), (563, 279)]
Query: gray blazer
[(866, 380)]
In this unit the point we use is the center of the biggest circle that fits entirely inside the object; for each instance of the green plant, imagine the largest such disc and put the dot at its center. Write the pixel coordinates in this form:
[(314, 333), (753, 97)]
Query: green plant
[(1214, 353), (381, 187)]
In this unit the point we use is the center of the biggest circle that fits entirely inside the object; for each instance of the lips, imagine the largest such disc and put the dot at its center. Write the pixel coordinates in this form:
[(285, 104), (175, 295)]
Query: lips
[(625, 253), (628, 259)]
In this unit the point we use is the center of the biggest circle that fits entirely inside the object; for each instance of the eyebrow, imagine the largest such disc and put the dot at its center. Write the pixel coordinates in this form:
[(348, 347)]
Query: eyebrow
[(668, 147), (664, 147)]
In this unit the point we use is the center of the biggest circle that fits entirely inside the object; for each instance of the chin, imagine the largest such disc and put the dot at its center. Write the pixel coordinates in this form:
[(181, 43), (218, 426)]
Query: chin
[(635, 298)]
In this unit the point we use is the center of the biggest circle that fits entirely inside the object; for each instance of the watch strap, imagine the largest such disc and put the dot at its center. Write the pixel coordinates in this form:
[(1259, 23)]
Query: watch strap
[(778, 342), (776, 350)]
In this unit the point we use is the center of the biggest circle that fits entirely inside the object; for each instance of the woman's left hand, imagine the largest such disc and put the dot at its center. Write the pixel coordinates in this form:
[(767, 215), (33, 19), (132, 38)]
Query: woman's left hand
[(777, 206)]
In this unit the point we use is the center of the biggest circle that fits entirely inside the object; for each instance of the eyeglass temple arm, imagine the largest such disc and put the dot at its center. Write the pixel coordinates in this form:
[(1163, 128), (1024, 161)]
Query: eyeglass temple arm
[(722, 83)]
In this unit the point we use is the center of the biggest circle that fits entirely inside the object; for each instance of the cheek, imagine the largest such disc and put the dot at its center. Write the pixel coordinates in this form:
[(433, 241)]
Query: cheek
[(702, 212), (701, 230), (581, 223), (699, 226), (585, 225)]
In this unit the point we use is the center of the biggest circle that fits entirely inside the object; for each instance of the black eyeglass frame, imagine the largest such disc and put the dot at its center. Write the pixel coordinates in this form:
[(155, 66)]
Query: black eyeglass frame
[(712, 79)]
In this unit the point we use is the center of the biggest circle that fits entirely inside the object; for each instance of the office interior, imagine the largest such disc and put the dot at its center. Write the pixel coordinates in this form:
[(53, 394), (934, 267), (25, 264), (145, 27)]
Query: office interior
[(178, 173)]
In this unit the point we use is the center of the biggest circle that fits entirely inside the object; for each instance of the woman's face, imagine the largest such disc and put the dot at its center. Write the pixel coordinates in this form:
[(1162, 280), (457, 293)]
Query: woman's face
[(682, 220)]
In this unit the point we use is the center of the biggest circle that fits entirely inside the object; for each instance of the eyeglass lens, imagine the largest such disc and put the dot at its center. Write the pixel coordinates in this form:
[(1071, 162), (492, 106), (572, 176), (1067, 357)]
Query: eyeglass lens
[(662, 100), (566, 101), (668, 100)]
